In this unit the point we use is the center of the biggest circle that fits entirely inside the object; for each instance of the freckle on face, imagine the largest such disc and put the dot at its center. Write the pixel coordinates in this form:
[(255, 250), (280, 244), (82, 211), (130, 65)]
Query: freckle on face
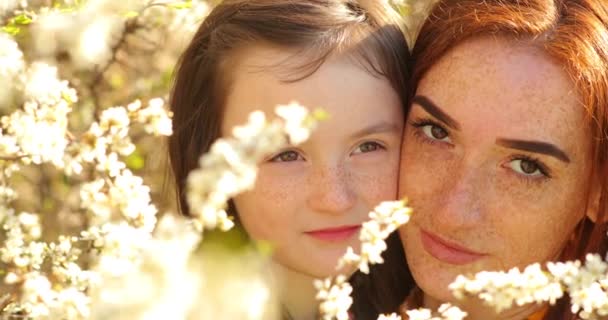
[(468, 193), (331, 185)]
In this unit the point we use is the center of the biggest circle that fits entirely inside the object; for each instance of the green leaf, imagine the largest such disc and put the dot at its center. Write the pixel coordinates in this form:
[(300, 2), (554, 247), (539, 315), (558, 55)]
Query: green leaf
[(11, 29), (116, 81), (404, 10), (265, 248), (66, 97), (130, 14), (22, 19), (181, 5), (320, 114), (135, 161)]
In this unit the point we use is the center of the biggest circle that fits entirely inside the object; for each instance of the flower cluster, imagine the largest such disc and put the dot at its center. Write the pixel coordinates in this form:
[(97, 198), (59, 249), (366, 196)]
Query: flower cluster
[(334, 292), (66, 123), (230, 166), (385, 219), (587, 286), (49, 276), (445, 312), (334, 295)]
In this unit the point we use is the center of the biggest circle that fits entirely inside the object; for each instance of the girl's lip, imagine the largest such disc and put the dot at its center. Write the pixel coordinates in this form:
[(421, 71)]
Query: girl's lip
[(334, 234), (447, 251)]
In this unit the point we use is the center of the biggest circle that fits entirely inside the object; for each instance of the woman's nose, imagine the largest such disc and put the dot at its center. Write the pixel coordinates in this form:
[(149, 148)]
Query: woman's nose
[(330, 190), (459, 205)]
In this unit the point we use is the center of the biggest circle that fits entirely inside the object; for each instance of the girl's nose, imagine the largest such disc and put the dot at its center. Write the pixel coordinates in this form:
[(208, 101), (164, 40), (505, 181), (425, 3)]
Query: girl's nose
[(330, 190)]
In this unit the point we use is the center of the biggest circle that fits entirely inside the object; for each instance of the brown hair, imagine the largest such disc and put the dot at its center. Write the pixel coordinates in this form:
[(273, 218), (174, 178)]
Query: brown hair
[(571, 31), (369, 30)]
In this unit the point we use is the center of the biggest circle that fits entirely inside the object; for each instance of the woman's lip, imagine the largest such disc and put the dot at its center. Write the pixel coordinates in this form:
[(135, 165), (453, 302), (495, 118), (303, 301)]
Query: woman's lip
[(446, 251), (334, 234)]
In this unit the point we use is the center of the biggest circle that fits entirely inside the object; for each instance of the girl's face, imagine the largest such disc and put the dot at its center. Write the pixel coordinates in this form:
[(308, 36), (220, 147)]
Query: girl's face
[(496, 162), (309, 201)]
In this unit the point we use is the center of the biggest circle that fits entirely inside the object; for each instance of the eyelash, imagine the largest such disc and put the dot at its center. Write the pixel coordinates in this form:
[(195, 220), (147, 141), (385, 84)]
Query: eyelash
[(276, 157), (418, 124), (546, 173), (379, 146)]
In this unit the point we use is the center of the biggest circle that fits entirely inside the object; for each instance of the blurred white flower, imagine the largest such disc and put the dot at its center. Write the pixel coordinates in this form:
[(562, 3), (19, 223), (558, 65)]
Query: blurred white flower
[(419, 314), (11, 57), (384, 220), (120, 247), (7, 6), (230, 166), (392, 316), (445, 312), (155, 118), (11, 64), (131, 197), (295, 117), (93, 46), (334, 294), (54, 30), (43, 86)]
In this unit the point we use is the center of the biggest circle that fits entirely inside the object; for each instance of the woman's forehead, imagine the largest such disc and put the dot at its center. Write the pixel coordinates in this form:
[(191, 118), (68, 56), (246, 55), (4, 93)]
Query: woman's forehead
[(501, 86)]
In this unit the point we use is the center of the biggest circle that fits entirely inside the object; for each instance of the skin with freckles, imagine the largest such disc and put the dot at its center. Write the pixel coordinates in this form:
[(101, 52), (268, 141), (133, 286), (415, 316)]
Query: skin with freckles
[(333, 180), (496, 162)]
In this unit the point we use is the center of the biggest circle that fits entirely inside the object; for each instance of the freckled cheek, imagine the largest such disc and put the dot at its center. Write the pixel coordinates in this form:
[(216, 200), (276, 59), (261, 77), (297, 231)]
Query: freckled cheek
[(425, 176), (271, 210), (534, 228), (375, 182)]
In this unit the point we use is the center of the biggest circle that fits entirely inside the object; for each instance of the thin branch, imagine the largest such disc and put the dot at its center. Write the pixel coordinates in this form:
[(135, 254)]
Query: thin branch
[(14, 158), (130, 26)]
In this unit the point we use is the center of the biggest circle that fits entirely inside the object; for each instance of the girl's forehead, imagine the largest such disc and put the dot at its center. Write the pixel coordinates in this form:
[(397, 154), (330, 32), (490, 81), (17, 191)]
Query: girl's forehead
[(341, 87)]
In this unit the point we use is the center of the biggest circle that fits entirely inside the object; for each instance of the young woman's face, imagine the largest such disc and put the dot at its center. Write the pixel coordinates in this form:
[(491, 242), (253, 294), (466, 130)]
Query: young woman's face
[(496, 162), (309, 200)]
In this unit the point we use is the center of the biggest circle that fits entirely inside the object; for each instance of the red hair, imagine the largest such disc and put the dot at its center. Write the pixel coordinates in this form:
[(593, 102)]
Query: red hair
[(574, 32)]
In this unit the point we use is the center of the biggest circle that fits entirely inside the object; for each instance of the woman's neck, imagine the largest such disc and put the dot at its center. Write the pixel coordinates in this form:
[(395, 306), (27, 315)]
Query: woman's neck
[(296, 293), (477, 310)]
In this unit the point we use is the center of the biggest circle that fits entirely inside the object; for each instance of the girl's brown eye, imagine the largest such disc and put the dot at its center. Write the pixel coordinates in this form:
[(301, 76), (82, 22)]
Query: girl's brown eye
[(286, 157)]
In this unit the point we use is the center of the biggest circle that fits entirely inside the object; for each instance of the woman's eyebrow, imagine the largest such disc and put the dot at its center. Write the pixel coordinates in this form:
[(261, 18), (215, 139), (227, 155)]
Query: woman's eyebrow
[(536, 147), (430, 107)]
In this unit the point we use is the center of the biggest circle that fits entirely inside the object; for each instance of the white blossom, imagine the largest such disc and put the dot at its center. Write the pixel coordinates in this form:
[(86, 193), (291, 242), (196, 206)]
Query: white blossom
[(94, 42), (384, 219), (335, 298), (11, 57), (155, 118), (295, 117), (445, 312), (392, 316), (230, 166)]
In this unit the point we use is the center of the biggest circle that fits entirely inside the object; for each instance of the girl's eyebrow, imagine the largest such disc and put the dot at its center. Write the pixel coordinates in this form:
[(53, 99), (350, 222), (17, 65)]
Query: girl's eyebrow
[(380, 127), (535, 146), (430, 107)]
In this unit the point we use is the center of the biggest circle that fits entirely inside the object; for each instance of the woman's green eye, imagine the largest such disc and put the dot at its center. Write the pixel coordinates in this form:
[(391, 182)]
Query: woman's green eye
[(286, 156), (435, 132)]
